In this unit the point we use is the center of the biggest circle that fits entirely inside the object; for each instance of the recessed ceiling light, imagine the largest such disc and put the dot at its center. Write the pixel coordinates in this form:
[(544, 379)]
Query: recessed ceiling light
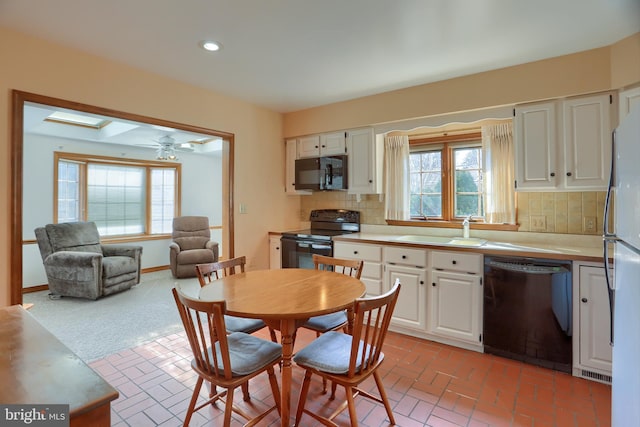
[(210, 45)]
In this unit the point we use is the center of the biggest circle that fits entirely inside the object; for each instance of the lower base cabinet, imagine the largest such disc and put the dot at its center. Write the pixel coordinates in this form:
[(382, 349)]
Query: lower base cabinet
[(410, 310), (372, 268), (455, 301), (592, 353)]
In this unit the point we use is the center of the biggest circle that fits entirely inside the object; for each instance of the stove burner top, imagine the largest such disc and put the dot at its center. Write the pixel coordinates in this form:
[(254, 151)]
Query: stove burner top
[(327, 223), (318, 234)]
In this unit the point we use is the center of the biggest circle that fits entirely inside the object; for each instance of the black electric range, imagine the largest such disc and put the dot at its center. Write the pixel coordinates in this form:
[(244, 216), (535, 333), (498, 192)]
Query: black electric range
[(298, 246)]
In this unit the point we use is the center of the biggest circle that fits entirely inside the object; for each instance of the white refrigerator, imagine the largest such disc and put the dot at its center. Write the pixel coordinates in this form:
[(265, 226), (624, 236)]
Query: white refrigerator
[(624, 288)]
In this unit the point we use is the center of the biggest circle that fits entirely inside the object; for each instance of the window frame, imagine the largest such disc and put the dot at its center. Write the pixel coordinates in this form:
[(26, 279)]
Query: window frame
[(85, 159), (448, 220)]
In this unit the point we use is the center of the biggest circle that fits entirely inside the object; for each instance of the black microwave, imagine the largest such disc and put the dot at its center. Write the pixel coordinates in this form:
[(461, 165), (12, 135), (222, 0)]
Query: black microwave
[(322, 173)]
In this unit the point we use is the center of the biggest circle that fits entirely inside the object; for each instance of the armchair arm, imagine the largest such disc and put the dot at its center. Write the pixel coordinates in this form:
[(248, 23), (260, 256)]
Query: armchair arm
[(73, 259), (214, 248), (174, 247), (75, 273), (122, 250)]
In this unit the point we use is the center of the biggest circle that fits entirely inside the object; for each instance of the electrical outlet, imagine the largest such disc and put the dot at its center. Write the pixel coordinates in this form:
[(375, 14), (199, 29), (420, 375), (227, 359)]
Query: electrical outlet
[(243, 208), (589, 224), (538, 223)]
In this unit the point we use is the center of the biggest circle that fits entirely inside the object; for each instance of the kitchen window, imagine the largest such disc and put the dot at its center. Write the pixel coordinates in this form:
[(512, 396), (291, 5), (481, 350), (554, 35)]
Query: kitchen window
[(446, 179), (452, 177), (123, 197)]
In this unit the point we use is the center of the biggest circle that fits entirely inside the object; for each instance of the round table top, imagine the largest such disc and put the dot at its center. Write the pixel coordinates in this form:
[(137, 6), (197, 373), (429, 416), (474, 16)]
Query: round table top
[(292, 293)]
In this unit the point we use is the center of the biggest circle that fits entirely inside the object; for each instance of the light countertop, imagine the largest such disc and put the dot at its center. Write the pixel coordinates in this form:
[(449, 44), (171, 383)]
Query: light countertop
[(562, 247)]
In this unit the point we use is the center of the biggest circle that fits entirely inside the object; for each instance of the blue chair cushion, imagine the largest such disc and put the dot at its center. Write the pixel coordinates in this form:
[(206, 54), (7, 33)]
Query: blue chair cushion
[(326, 322), (329, 353), (242, 324), (248, 353)]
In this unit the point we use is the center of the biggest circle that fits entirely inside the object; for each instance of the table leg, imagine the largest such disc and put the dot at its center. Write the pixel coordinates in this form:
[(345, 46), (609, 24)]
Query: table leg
[(287, 330)]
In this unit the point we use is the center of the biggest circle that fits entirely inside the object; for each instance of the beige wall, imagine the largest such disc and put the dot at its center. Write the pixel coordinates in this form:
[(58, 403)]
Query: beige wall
[(37, 66), (625, 62), (595, 70)]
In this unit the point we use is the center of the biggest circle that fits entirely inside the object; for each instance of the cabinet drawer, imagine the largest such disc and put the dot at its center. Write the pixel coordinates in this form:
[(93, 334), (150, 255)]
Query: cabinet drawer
[(358, 251), (457, 261), (405, 256), (372, 270)]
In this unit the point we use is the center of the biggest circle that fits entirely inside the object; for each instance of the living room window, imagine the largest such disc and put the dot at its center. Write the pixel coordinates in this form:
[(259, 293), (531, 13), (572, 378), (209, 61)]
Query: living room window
[(123, 197)]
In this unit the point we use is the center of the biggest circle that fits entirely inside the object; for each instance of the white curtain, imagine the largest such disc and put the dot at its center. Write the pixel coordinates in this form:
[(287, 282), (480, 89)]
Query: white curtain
[(497, 144), (396, 155)]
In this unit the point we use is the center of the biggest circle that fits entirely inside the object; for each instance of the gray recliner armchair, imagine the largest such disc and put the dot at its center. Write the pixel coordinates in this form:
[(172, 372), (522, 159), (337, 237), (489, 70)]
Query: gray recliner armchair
[(78, 265), (191, 245)]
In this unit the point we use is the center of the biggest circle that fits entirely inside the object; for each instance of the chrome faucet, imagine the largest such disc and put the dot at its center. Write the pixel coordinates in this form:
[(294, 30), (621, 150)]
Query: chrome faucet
[(465, 227)]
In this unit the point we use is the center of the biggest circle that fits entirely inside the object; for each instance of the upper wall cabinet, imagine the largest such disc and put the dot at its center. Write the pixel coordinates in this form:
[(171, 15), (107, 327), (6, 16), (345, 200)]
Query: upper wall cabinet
[(628, 99), (535, 146), (326, 144), (564, 145), (365, 162), (587, 142)]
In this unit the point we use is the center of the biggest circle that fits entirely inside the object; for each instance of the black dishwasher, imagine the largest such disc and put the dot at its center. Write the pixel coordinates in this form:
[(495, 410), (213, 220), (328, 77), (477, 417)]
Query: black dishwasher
[(528, 311)]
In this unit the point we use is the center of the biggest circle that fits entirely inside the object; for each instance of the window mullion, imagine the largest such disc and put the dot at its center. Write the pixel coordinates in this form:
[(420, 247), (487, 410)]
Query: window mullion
[(447, 183)]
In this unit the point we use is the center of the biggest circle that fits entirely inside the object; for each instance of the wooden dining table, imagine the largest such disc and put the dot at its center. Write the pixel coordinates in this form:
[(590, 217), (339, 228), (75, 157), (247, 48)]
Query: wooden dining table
[(284, 299)]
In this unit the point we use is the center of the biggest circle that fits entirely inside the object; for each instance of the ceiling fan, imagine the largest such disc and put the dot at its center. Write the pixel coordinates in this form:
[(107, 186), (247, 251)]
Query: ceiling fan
[(167, 147)]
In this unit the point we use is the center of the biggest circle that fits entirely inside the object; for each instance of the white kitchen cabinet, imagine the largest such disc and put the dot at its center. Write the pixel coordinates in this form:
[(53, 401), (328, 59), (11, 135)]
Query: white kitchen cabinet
[(592, 352), (372, 266), (365, 161), (535, 146), (563, 145), (326, 144), (409, 265), (291, 154), (587, 142), (455, 296), (275, 261), (628, 99)]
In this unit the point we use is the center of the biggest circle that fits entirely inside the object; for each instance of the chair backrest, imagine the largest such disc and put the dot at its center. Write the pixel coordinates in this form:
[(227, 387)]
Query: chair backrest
[(350, 267), (204, 324), (68, 236), (372, 317), (191, 226), (215, 270)]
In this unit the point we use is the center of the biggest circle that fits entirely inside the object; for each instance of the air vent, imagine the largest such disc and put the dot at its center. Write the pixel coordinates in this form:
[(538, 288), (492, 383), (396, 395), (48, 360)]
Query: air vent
[(595, 376)]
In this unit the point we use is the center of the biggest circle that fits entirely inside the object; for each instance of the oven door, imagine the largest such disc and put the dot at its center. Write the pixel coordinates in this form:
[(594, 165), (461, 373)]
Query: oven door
[(297, 253)]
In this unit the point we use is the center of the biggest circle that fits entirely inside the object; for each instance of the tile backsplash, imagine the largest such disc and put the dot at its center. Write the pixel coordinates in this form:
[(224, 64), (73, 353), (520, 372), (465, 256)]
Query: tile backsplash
[(544, 212)]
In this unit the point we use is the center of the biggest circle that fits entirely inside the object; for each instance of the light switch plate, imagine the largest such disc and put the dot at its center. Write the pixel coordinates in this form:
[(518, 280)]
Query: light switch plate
[(589, 224)]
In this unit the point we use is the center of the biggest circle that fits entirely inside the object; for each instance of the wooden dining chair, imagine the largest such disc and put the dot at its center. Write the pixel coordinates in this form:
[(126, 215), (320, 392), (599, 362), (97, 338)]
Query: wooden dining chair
[(349, 359), (209, 272), (333, 321), (338, 320), (224, 360)]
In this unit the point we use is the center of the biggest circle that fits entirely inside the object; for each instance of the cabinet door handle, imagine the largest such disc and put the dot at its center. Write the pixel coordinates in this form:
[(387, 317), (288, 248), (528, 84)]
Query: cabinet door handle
[(454, 262), (433, 284), (422, 282), (404, 257), (584, 300), (355, 252), (568, 173), (552, 174)]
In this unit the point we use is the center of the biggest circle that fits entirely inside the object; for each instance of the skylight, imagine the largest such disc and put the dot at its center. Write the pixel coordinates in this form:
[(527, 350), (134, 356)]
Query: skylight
[(77, 120)]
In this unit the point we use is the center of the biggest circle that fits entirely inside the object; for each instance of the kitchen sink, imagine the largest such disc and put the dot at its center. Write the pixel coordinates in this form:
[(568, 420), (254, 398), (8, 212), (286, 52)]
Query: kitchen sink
[(467, 242), (444, 241), (424, 239)]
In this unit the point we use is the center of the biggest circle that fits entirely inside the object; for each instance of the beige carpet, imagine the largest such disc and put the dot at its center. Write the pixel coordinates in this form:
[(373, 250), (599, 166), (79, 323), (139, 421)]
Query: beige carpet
[(94, 329)]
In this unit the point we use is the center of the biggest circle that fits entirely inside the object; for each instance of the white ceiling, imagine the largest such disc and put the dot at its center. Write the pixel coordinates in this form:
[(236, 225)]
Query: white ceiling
[(294, 54)]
